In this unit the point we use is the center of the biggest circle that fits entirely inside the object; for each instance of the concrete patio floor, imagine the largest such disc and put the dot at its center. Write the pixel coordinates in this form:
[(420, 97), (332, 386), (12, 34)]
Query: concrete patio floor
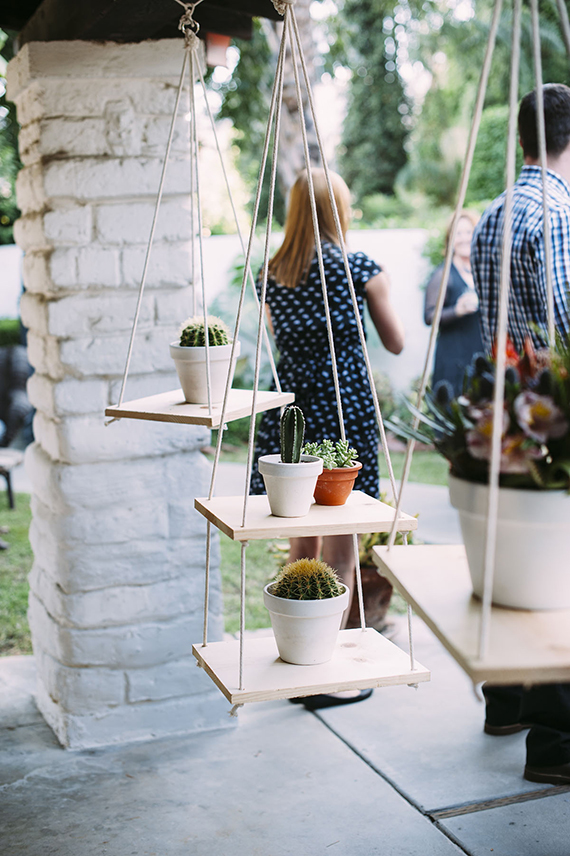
[(406, 773)]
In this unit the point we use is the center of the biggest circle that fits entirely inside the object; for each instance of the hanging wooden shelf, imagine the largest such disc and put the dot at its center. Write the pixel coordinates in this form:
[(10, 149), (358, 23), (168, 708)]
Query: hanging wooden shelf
[(523, 646), (171, 407), (361, 514), (361, 659)]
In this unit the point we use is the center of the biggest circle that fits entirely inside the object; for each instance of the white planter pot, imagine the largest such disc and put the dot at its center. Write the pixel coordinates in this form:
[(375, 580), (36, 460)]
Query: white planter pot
[(305, 630), (532, 566), (191, 367), (290, 487)]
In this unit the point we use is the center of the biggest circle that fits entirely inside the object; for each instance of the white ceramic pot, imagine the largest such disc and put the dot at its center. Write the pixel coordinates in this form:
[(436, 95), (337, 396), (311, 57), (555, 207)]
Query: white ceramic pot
[(532, 566), (290, 487), (191, 367), (305, 630)]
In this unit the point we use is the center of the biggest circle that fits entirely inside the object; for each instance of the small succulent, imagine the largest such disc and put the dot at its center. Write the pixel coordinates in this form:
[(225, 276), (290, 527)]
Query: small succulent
[(192, 333), (307, 579), (334, 455), (291, 434)]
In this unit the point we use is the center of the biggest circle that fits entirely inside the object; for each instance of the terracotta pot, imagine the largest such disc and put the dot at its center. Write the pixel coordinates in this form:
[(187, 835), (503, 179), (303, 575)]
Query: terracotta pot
[(334, 486)]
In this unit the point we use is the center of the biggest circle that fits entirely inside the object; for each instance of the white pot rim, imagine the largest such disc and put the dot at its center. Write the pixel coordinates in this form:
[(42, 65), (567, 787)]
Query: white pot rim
[(305, 608), (545, 506), (196, 354), (272, 465)]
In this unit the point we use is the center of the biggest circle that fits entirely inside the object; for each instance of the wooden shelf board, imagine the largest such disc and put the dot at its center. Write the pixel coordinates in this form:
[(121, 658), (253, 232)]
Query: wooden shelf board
[(361, 659), (171, 407), (524, 646), (360, 514)]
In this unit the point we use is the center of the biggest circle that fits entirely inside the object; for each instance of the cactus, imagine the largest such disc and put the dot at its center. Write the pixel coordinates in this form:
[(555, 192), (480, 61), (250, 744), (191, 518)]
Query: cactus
[(307, 579), (292, 434), (192, 332)]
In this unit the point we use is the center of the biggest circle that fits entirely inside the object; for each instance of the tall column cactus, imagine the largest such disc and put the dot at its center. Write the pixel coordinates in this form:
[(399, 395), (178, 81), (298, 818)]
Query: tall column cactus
[(292, 434)]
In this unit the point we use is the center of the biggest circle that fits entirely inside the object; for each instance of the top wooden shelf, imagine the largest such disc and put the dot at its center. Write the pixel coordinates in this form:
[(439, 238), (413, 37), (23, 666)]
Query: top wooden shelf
[(171, 407), (361, 514), (524, 647)]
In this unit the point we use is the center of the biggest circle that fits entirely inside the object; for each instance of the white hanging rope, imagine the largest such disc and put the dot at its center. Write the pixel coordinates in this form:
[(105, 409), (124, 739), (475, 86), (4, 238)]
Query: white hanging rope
[(564, 22), (277, 90), (238, 229), (342, 246), (194, 155), (192, 185), (449, 255), (242, 611), (541, 135), (153, 227), (262, 296), (207, 583), (316, 229), (499, 392)]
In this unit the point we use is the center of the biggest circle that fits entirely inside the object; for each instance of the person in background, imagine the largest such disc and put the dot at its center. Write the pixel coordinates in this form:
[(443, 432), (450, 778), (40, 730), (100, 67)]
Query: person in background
[(459, 336), (295, 307), (545, 708), (15, 407)]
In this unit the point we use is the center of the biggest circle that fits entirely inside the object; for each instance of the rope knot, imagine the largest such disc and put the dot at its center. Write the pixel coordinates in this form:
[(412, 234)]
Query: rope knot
[(281, 5)]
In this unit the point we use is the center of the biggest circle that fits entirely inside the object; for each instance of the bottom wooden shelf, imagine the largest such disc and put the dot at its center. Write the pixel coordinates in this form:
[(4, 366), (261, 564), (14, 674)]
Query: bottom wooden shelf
[(524, 647), (362, 659)]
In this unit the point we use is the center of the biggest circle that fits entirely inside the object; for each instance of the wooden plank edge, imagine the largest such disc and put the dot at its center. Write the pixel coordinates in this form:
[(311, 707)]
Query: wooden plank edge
[(475, 669), (211, 674)]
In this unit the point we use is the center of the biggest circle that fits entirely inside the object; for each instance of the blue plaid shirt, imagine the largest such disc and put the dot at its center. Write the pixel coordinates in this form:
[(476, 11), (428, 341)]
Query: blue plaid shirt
[(527, 295)]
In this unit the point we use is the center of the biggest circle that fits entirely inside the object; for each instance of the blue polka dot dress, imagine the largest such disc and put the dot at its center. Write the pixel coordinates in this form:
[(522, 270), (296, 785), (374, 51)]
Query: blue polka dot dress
[(305, 366)]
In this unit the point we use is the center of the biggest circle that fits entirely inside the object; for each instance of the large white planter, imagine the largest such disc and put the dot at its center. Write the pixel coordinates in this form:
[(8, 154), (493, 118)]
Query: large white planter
[(290, 487), (305, 630), (532, 558), (191, 367)]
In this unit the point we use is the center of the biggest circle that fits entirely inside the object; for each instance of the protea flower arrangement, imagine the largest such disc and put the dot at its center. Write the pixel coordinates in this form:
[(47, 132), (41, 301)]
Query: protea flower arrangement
[(535, 419)]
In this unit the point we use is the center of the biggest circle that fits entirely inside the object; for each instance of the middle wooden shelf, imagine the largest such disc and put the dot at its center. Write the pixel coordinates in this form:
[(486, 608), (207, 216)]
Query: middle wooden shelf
[(361, 514)]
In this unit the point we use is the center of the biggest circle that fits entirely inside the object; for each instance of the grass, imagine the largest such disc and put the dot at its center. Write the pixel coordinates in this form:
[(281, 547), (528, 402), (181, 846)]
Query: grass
[(15, 565), (427, 467)]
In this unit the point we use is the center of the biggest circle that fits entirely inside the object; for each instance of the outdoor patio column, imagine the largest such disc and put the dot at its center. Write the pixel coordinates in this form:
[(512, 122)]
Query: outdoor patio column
[(117, 582)]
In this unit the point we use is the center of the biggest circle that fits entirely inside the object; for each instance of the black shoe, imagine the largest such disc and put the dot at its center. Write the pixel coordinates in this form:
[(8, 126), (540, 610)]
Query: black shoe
[(559, 775), (317, 702), (502, 730)]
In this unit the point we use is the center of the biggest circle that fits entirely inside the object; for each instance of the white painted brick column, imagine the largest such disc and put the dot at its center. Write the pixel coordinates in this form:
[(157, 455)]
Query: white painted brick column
[(118, 576)]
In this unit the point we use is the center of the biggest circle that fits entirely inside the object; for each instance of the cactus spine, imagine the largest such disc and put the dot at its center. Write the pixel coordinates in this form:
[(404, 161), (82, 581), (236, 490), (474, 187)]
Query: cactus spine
[(292, 434), (307, 579), (192, 333)]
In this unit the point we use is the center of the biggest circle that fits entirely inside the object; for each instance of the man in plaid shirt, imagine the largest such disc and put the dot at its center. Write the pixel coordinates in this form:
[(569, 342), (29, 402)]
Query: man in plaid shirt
[(545, 708), (527, 295)]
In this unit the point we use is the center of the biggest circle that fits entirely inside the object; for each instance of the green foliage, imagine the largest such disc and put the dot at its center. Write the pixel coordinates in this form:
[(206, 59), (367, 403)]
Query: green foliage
[(246, 98), (374, 134), (9, 160), (9, 332), (292, 432), (488, 179), (333, 455), (15, 565), (192, 334), (307, 579)]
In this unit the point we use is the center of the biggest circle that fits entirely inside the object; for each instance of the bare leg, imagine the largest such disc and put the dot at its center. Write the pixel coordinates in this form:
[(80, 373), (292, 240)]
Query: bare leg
[(338, 552)]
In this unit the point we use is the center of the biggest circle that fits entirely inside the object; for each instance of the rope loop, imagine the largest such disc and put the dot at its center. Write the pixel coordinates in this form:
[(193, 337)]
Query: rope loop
[(281, 5), (189, 27)]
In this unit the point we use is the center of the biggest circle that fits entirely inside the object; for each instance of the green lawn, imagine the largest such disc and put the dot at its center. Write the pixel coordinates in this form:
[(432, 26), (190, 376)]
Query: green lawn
[(15, 565), (263, 558)]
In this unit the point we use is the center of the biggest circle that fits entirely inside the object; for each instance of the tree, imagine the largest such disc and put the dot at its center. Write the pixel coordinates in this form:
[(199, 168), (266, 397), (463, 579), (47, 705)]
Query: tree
[(375, 129), (9, 160)]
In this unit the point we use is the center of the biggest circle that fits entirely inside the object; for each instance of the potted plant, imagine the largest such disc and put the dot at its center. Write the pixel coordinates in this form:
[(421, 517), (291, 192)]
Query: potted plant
[(533, 523), (189, 355), (340, 470), (306, 602), (290, 477)]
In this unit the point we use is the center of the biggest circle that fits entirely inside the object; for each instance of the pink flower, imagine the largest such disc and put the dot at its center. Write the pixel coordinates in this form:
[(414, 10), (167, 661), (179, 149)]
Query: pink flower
[(539, 417), (516, 451)]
